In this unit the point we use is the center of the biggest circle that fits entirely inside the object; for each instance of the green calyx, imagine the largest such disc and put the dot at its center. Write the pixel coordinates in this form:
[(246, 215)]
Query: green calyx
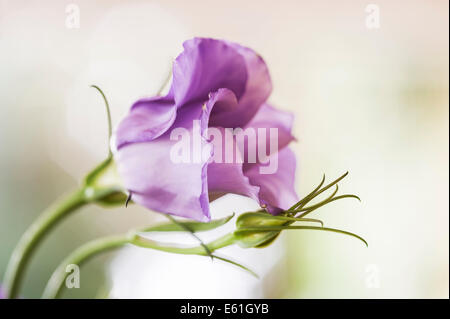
[(260, 229), (104, 186)]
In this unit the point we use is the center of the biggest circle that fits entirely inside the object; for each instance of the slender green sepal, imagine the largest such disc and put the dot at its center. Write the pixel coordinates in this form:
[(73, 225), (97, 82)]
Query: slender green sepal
[(307, 197), (312, 208), (108, 114), (280, 228), (279, 218), (329, 185), (302, 209)]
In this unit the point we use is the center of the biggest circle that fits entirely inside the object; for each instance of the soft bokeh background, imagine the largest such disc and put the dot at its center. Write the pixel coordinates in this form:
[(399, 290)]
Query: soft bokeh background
[(371, 101)]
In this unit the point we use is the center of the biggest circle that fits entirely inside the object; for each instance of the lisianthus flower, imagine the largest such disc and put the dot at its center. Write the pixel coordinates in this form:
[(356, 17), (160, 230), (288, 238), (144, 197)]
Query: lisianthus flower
[(215, 84)]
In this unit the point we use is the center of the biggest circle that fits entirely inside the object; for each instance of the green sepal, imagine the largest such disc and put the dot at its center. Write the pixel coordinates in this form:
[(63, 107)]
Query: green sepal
[(258, 219), (259, 229), (252, 230), (103, 184)]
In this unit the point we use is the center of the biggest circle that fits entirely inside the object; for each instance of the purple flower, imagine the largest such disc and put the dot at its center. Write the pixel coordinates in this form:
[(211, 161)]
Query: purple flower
[(215, 84)]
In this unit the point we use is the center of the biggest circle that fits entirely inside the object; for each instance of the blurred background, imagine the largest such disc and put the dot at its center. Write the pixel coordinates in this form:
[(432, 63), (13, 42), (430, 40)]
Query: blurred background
[(370, 96)]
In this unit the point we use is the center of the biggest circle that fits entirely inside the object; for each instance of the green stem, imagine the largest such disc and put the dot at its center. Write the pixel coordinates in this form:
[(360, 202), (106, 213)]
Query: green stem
[(102, 245), (221, 242), (78, 257), (34, 235)]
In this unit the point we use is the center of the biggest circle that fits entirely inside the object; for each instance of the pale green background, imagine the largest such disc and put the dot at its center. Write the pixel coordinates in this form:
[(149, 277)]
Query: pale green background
[(374, 102)]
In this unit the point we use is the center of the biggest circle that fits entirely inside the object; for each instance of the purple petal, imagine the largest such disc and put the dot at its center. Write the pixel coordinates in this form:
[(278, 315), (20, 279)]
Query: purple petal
[(205, 66), (277, 190), (226, 177), (156, 182), (224, 101), (220, 84), (257, 90), (229, 177), (148, 119), (265, 122)]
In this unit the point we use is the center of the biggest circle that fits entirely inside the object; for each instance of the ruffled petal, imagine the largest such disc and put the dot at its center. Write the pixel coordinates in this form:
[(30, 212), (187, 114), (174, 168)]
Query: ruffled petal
[(224, 101), (277, 190), (273, 129), (257, 90), (226, 176), (157, 181), (148, 119), (215, 84), (205, 66)]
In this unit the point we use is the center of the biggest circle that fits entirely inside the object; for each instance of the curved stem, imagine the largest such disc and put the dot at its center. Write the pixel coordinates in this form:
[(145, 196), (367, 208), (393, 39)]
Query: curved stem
[(102, 245), (78, 257), (34, 235)]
